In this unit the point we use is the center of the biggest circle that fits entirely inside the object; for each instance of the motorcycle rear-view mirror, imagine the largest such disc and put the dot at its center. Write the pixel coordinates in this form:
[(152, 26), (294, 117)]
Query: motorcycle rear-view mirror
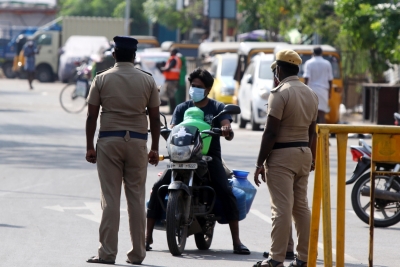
[(228, 109)]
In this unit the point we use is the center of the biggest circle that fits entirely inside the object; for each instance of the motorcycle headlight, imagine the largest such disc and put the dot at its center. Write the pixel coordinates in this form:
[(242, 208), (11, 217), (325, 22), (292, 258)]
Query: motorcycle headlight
[(180, 153)]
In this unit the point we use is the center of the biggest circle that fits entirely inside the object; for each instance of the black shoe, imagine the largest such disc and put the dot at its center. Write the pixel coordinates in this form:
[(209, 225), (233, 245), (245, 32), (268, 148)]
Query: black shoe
[(289, 255)]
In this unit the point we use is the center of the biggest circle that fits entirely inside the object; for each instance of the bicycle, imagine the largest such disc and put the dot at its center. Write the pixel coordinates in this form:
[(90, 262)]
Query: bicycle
[(73, 95)]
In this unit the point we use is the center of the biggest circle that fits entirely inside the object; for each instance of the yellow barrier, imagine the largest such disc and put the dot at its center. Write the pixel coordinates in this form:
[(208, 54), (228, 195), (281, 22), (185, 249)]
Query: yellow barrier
[(385, 144)]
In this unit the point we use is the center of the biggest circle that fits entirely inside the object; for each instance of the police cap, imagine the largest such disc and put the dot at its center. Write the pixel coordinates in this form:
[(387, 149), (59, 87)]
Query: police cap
[(125, 42), (273, 66), (288, 56)]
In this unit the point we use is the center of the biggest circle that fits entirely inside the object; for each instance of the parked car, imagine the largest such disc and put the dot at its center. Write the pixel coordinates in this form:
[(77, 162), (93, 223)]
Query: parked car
[(223, 68), (255, 88), (76, 48)]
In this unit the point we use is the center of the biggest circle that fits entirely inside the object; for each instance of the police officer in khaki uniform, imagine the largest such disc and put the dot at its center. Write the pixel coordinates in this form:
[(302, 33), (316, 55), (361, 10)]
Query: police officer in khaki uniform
[(290, 247), (124, 93), (286, 158)]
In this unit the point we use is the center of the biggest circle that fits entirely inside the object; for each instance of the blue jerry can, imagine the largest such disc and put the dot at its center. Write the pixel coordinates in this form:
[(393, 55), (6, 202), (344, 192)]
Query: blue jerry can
[(240, 181), (240, 196)]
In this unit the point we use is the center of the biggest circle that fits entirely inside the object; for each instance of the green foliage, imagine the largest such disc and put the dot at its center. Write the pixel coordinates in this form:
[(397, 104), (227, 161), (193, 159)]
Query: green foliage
[(165, 13), (109, 8), (372, 27)]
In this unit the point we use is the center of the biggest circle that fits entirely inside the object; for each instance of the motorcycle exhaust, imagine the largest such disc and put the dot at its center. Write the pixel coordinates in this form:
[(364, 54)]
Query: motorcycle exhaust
[(381, 194)]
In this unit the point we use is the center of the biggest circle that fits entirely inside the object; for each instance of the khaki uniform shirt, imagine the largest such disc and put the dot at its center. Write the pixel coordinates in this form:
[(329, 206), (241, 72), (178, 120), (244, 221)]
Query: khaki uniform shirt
[(124, 92), (296, 105)]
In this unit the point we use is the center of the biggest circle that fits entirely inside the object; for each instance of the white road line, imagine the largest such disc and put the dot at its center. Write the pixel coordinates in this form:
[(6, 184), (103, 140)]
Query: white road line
[(20, 189), (320, 245)]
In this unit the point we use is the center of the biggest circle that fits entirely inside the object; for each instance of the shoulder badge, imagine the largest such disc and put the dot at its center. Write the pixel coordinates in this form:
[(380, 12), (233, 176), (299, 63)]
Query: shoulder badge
[(276, 89), (148, 73), (99, 72)]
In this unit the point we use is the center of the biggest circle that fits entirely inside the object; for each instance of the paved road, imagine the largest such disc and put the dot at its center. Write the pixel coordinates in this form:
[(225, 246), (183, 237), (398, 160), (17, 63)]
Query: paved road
[(49, 194)]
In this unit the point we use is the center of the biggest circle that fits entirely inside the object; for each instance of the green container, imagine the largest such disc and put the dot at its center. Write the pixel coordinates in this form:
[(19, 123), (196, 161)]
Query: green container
[(195, 117)]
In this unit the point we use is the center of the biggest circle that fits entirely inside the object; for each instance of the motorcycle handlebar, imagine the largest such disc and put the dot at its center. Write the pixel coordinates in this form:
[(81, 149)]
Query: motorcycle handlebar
[(219, 131)]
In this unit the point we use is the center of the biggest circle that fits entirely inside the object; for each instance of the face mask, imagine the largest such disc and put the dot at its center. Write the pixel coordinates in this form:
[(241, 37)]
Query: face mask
[(276, 82), (197, 94), (276, 76)]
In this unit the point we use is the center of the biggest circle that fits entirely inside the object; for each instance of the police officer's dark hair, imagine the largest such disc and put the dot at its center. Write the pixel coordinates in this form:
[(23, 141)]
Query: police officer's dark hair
[(318, 51), (203, 75), (124, 55)]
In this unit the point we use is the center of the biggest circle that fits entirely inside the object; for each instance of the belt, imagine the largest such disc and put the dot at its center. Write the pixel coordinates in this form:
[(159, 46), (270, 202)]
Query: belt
[(291, 144), (122, 134)]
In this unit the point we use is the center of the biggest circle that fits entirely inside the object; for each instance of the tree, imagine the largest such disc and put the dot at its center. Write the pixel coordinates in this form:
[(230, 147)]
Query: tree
[(109, 8), (165, 13), (372, 27)]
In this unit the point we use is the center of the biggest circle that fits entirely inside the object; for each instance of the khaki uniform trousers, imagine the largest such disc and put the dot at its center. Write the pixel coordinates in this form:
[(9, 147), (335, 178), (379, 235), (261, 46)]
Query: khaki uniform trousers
[(287, 172), (122, 160)]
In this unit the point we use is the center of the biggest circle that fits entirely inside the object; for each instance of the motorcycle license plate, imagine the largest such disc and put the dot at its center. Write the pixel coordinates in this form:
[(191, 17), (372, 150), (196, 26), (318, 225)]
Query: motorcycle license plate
[(80, 88), (182, 166)]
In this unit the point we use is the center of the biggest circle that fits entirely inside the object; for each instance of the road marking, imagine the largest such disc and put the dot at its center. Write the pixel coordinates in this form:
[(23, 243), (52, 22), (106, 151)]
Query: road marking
[(21, 189), (94, 207), (320, 245)]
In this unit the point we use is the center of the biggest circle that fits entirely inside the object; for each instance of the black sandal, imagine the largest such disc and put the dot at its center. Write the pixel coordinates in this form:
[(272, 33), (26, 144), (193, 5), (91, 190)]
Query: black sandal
[(299, 263), (96, 259), (290, 255), (270, 262), (148, 248), (241, 249)]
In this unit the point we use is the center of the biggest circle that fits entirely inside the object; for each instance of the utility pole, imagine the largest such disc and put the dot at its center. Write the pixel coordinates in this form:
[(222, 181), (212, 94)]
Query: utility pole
[(222, 21), (127, 17)]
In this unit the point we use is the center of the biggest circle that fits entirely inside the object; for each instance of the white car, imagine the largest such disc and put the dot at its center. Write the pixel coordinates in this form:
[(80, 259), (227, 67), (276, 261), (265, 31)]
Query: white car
[(255, 88)]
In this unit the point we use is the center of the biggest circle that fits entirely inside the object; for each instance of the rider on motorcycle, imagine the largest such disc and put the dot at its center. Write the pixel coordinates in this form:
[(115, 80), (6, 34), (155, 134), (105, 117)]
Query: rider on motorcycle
[(201, 83)]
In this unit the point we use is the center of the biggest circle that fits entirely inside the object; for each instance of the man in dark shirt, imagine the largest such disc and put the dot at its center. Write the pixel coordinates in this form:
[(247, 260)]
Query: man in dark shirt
[(201, 83)]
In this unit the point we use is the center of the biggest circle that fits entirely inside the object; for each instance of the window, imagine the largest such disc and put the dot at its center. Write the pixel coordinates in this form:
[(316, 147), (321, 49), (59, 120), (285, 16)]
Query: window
[(44, 39), (265, 71), (228, 66)]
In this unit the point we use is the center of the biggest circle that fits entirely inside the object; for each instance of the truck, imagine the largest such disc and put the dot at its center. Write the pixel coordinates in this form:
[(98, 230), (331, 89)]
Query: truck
[(51, 39)]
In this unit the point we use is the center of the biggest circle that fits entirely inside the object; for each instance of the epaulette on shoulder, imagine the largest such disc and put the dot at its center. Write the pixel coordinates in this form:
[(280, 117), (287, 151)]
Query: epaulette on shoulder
[(276, 89), (148, 73), (99, 72)]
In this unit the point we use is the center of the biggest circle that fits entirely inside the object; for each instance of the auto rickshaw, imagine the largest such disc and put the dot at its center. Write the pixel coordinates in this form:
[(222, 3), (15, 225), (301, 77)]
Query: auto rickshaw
[(220, 58), (332, 55), (246, 52)]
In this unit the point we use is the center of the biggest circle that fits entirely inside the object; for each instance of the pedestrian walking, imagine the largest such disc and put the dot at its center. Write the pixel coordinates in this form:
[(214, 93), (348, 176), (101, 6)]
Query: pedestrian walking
[(285, 158), (289, 252), (124, 92), (29, 53), (172, 72), (318, 76)]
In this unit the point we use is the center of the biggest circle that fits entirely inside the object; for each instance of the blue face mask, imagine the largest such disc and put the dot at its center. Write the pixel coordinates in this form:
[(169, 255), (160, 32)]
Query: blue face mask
[(196, 94)]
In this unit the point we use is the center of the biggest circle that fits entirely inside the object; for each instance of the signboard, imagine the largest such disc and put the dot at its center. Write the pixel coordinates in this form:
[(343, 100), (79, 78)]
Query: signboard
[(227, 6)]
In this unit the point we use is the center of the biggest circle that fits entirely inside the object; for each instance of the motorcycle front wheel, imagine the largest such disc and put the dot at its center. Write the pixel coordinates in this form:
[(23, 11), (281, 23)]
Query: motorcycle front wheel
[(204, 240), (71, 100), (387, 212), (176, 226)]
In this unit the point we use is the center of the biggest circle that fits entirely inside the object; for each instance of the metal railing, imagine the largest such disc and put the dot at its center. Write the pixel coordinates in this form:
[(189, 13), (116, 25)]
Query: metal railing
[(383, 137)]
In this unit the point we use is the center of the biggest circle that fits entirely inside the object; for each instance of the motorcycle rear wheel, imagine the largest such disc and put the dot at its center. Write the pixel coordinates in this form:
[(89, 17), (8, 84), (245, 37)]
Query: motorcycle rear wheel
[(176, 227), (387, 213), (204, 240)]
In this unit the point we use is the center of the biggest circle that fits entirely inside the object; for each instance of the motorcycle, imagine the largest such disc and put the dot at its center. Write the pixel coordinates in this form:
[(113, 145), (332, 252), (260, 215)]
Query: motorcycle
[(387, 188), (189, 200)]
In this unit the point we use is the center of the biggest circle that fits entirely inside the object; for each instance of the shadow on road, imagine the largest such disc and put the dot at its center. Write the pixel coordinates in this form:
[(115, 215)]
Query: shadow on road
[(11, 226)]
